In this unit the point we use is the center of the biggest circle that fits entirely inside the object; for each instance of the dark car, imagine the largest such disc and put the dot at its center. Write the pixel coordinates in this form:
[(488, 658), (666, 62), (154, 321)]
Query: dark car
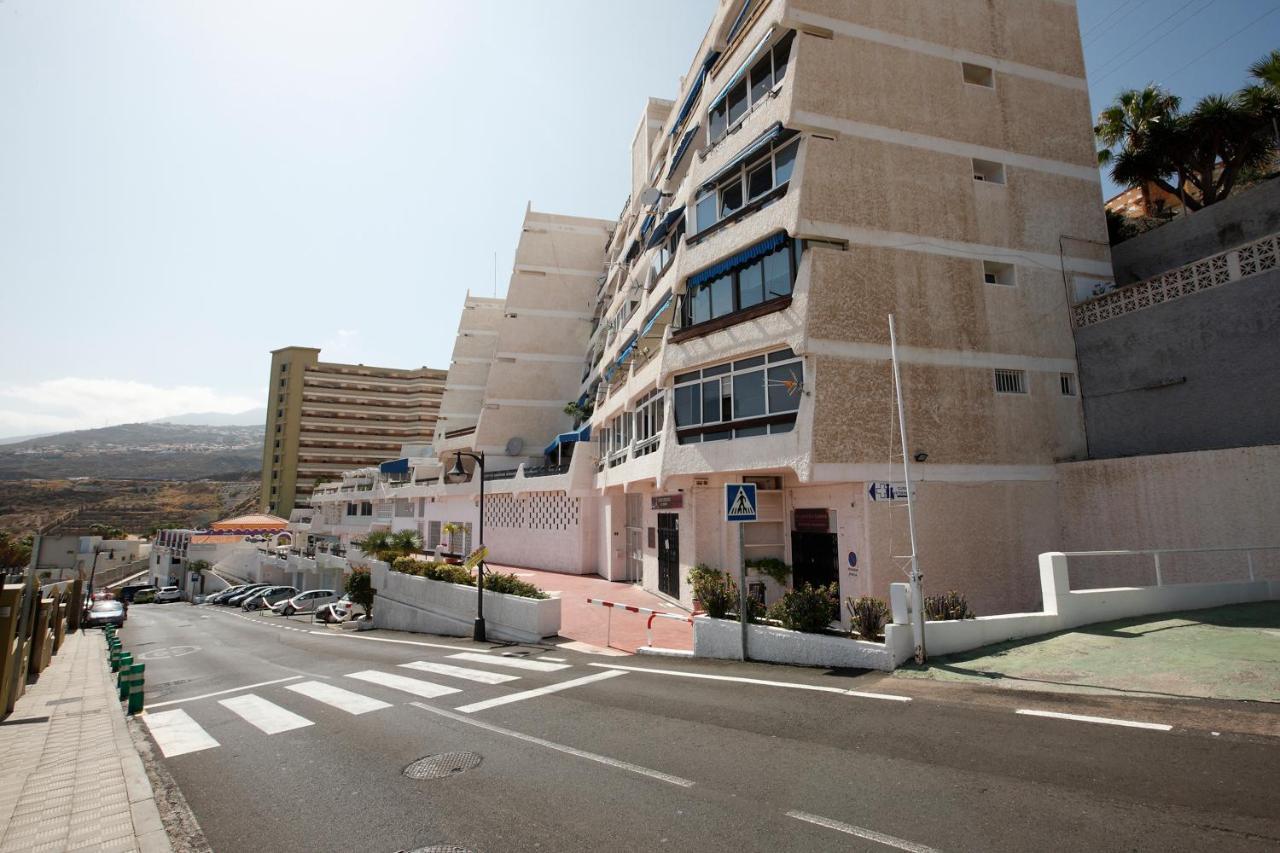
[(223, 595), (127, 593), (105, 612), (239, 597)]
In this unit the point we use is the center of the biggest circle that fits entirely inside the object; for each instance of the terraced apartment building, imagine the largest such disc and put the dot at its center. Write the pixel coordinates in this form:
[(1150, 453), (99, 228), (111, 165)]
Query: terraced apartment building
[(324, 418)]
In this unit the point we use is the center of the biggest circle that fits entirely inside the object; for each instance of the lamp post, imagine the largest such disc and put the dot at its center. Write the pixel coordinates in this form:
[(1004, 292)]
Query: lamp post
[(478, 633)]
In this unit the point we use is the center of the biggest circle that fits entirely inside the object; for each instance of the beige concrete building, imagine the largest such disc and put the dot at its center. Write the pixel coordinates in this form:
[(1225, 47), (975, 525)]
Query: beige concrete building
[(324, 418)]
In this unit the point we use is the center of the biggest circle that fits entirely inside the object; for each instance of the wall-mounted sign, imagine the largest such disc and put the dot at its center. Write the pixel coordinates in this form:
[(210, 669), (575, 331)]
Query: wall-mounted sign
[(853, 560), (666, 502), (889, 491), (812, 521), (739, 502)]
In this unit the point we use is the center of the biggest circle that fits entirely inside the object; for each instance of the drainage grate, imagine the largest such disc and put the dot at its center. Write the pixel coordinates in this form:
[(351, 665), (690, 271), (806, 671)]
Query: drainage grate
[(439, 848), (443, 766), (65, 701)]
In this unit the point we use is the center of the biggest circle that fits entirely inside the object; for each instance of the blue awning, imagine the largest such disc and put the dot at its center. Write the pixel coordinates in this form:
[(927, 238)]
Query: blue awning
[(737, 22), (746, 256), (775, 132), (694, 91), (742, 69), (395, 466), (646, 225), (626, 351), (563, 438), (681, 149), (655, 314), (660, 233)]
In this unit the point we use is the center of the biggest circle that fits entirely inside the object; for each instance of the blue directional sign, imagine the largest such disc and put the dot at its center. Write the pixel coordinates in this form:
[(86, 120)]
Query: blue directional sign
[(740, 502)]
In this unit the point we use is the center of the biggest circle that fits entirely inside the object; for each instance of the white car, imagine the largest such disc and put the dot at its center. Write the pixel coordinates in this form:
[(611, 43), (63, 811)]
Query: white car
[(168, 593), (305, 602), (339, 611)]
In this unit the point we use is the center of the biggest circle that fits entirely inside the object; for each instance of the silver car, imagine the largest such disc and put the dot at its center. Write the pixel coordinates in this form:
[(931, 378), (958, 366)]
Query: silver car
[(264, 598), (305, 602)]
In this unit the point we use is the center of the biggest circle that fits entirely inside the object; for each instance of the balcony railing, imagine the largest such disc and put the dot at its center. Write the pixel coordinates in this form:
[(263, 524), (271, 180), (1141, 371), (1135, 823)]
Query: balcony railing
[(547, 470), (505, 474)]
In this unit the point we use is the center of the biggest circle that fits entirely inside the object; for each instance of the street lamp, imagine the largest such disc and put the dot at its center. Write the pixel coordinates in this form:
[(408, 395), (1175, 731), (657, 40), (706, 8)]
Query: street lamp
[(478, 633)]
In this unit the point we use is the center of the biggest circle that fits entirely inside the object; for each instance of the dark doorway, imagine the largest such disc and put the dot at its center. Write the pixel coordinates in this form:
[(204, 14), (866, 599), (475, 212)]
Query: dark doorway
[(814, 558), (669, 553)]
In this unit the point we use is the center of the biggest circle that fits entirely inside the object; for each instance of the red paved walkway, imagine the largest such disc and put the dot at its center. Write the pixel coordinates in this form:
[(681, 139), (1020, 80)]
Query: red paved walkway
[(587, 623)]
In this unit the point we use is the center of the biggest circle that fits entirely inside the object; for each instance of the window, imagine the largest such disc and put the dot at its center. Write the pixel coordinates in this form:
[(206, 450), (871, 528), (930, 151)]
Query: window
[(649, 418), (749, 87), (748, 397), (284, 368), (994, 272), (366, 508), (276, 459), (988, 171), (745, 286), (277, 442), (1068, 384), (1010, 381), (746, 183), (978, 75), (433, 534), (353, 509)]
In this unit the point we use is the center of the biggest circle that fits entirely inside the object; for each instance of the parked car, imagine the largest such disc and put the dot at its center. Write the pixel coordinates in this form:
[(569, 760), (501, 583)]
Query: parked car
[(239, 597), (339, 611), (264, 598), (105, 612), (168, 593), (144, 596), (305, 602), (127, 593), (223, 595)]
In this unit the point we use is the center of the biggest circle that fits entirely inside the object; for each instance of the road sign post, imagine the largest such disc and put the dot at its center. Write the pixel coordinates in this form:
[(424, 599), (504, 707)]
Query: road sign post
[(739, 506)]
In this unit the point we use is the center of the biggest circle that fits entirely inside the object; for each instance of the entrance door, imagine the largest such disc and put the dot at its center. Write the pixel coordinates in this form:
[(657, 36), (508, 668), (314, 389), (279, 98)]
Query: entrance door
[(635, 538), (815, 559), (669, 553)]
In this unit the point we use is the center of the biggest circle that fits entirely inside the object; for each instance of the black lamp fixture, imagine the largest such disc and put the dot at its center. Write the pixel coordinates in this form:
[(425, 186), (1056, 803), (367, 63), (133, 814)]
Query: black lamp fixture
[(478, 631)]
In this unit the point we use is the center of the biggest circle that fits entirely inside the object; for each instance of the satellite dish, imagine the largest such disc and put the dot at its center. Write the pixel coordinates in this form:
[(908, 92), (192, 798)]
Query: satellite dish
[(650, 197), (515, 445)]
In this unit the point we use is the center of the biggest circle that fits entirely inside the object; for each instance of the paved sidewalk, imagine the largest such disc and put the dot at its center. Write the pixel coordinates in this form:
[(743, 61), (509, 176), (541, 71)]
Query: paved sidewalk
[(72, 778)]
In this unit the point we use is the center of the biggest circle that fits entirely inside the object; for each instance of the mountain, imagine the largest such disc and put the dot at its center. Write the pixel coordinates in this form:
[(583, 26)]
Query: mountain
[(14, 439), (252, 417), (143, 451)]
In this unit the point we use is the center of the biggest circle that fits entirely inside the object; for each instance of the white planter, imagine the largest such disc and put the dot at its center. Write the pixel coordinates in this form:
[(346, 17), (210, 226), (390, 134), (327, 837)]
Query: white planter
[(721, 638), (410, 603)]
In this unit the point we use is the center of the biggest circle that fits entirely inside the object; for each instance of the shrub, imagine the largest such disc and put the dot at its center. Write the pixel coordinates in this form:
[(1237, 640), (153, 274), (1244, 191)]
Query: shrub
[(360, 587), (450, 573), (950, 605), (868, 616), (810, 609), (510, 585), (771, 567), (715, 590)]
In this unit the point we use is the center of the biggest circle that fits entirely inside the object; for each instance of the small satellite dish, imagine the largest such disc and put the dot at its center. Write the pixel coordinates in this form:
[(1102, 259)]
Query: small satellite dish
[(515, 445), (650, 197)]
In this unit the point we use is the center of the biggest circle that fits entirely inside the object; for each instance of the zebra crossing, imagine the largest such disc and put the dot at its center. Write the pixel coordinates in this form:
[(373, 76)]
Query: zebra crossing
[(177, 732)]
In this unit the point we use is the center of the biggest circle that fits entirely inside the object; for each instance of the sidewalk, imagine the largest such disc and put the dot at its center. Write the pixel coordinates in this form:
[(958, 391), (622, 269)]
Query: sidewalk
[(72, 777)]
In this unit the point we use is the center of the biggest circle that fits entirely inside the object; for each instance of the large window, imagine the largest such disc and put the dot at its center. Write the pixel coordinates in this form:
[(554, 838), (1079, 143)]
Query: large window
[(744, 286), (749, 86), (748, 397), (648, 422), (753, 179)]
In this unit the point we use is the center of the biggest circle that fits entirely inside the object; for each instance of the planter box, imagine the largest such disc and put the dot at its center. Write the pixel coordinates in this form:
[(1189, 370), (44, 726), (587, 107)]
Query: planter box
[(410, 603), (721, 638)]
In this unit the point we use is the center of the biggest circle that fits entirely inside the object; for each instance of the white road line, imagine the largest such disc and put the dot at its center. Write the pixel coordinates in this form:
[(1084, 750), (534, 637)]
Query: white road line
[(416, 686), (793, 685), (461, 672), (387, 640), (221, 692), (514, 663), (540, 691), (868, 834), (177, 734), (267, 716), (555, 660), (1110, 721), (343, 700), (559, 747)]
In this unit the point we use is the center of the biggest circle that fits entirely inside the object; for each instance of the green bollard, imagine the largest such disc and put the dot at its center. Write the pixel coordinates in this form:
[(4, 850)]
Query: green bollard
[(123, 661), (135, 688), (115, 659)]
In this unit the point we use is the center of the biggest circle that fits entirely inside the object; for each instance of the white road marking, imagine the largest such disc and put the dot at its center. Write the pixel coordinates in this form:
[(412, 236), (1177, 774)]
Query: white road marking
[(387, 640), (416, 686), (868, 834), (559, 747), (793, 685), (556, 660), (343, 700), (177, 734), (514, 663), (461, 672), (539, 691), (1110, 721), (221, 692), (588, 649), (267, 716)]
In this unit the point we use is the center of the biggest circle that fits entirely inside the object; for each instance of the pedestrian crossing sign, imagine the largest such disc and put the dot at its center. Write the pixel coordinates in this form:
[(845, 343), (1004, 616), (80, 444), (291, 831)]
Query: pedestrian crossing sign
[(739, 502)]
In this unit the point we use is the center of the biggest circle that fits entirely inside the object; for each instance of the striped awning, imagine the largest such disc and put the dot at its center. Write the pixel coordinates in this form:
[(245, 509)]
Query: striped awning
[(746, 256)]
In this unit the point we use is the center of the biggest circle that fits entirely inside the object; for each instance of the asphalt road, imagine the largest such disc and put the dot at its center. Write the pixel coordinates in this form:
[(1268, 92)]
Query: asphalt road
[(633, 760)]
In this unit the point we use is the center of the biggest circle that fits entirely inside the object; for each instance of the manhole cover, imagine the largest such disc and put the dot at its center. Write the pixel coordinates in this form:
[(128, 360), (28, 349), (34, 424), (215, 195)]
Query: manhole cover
[(442, 766)]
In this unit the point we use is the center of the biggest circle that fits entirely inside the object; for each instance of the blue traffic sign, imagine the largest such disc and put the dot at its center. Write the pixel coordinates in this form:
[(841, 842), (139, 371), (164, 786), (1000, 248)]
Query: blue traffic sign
[(739, 502)]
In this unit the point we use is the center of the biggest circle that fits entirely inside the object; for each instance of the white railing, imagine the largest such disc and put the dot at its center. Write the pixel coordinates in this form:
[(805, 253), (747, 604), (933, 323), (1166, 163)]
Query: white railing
[(1157, 554), (1241, 262)]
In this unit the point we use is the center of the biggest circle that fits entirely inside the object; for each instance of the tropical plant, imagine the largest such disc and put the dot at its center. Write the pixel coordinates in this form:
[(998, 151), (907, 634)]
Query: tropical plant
[(579, 411), (14, 553), (386, 546), (507, 584), (198, 566), (949, 605), (867, 616), (359, 586), (715, 590), (771, 567), (811, 609)]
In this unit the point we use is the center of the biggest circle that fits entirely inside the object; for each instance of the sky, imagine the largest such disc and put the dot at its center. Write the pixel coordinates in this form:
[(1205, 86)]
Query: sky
[(185, 186)]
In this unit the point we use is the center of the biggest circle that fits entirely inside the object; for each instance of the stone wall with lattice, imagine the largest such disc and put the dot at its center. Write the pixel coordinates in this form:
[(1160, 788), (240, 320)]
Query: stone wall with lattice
[(535, 511)]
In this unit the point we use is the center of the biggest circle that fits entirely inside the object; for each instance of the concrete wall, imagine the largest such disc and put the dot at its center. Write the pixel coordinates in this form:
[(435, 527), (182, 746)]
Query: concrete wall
[(1240, 219)]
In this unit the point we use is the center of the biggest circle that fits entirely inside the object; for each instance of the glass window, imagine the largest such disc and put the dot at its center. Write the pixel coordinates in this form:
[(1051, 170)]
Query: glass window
[(781, 53), (777, 273), (760, 179), (737, 101), (784, 161), (706, 210), (748, 432), (718, 370), (748, 363), (730, 198), (710, 401), (785, 384), (688, 405), (780, 355), (701, 305), (689, 377), (761, 78), (775, 429), (726, 400), (718, 120), (748, 394), (751, 285), (722, 435), (722, 295)]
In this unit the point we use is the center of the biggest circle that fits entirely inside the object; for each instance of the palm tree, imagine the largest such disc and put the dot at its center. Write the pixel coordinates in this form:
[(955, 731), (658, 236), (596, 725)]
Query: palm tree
[(386, 546), (1126, 128), (1264, 95)]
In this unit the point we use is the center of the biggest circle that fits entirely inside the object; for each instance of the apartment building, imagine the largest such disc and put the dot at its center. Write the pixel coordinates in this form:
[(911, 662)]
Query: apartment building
[(324, 418)]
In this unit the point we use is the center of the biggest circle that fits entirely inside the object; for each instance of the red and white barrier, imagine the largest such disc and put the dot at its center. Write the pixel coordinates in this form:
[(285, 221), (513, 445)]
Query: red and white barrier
[(631, 608)]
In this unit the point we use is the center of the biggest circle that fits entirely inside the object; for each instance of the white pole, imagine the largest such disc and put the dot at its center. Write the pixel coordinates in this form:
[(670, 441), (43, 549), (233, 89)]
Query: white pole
[(743, 604), (917, 592)]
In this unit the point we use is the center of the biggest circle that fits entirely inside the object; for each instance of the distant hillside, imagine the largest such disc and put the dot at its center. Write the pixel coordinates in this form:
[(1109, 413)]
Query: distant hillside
[(253, 417), (154, 451)]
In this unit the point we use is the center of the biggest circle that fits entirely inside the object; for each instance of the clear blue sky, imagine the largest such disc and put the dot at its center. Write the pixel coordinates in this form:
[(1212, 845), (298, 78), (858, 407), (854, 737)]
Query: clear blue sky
[(185, 186)]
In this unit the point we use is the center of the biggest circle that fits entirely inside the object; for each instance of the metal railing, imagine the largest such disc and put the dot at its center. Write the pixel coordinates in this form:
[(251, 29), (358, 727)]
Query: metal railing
[(1158, 556), (547, 470)]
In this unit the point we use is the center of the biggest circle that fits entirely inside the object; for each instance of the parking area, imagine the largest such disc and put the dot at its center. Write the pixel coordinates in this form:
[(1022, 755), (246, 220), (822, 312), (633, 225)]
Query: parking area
[(1222, 653)]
